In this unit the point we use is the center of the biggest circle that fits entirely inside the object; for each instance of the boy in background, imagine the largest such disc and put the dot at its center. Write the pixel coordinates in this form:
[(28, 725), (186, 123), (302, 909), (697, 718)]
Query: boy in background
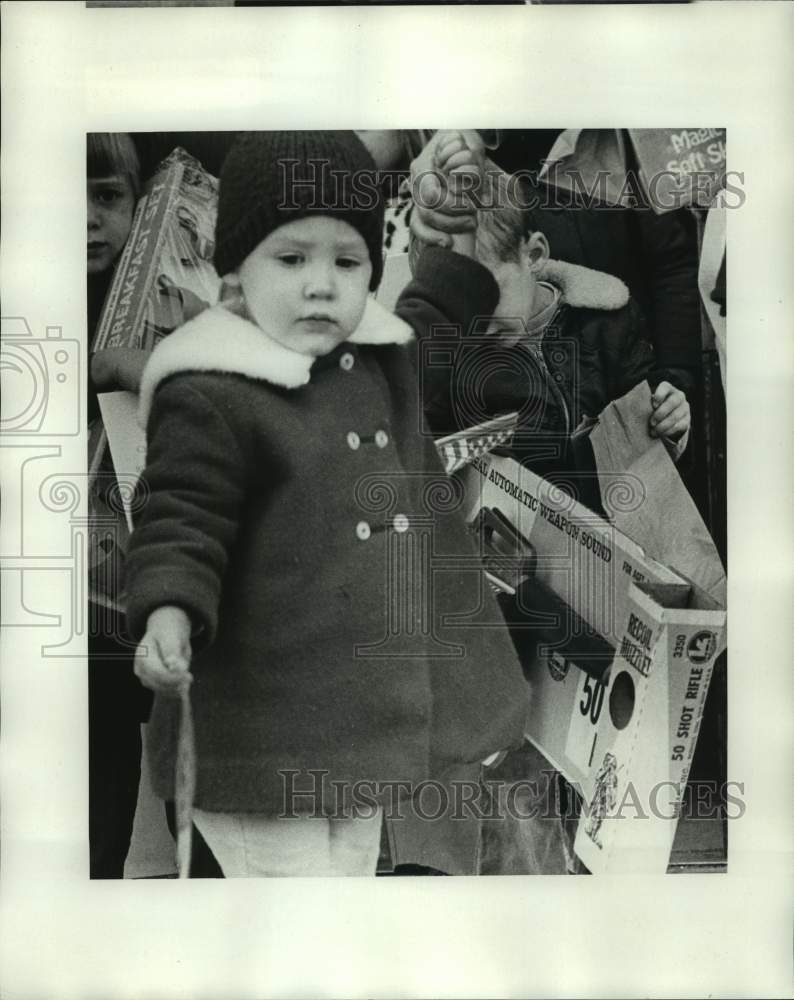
[(117, 703), (562, 343)]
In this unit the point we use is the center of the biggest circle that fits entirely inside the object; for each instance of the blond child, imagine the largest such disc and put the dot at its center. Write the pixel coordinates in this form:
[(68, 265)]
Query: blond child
[(562, 342)]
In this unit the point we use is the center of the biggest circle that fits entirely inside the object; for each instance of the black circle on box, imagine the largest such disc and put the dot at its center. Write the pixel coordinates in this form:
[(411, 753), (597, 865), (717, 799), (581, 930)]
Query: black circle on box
[(621, 700), (701, 647)]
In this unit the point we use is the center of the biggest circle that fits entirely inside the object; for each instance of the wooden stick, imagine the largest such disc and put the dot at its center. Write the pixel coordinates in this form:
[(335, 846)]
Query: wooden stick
[(185, 785)]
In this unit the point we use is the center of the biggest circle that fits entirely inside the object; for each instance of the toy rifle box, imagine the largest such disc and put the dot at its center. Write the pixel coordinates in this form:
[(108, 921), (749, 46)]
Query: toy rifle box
[(622, 644)]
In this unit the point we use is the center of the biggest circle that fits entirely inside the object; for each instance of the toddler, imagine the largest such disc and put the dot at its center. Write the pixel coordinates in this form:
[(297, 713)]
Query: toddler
[(288, 474)]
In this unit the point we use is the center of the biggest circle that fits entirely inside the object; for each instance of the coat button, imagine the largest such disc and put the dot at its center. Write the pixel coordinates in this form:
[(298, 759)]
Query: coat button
[(353, 441), (400, 523), (381, 439), (346, 361), (363, 530)]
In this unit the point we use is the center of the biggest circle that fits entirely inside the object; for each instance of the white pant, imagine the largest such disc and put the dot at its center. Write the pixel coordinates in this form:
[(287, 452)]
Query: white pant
[(254, 845)]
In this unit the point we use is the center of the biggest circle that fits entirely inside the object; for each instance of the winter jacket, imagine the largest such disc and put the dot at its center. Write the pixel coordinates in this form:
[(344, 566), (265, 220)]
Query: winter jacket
[(655, 255), (592, 350), (299, 513)]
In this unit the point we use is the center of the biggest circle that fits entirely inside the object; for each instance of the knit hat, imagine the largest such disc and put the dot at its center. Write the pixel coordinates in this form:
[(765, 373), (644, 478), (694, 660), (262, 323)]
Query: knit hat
[(270, 178)]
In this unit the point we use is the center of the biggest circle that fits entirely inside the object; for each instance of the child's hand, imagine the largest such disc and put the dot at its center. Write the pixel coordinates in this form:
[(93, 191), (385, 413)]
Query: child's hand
[(463, 168), (118, 368), (671, 416), (452, 152), (439, 212), (162, 660)]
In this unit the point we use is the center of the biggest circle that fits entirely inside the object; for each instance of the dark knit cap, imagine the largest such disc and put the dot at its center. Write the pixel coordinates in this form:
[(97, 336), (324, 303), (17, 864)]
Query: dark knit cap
[(270, 178)]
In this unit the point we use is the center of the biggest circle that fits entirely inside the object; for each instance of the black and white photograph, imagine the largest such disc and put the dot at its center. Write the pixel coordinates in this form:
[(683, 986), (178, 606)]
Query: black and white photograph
[(477, 252), (380, 502)]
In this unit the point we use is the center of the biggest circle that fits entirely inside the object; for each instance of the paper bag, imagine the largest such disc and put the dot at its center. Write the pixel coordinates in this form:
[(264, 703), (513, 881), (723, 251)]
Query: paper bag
[(646, 498)]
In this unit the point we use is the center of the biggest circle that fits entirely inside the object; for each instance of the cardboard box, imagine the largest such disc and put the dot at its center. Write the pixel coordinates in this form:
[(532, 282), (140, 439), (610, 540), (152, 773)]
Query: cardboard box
[(163, 278), (165, 273), (680, 166), (624, 736)]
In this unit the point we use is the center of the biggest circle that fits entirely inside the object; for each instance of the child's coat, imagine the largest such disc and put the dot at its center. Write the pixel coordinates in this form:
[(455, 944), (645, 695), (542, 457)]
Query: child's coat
[(301, 515)]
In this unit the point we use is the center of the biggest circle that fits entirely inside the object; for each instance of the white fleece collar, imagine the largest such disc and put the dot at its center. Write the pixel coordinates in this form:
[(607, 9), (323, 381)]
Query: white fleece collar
[(219, 341), (584, 288)]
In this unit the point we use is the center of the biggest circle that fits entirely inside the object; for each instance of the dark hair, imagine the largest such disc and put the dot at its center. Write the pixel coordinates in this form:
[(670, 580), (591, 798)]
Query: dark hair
[(109, 153)]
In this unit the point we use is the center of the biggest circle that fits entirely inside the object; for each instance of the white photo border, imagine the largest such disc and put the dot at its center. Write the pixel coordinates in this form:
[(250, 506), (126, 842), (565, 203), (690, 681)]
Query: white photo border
[(68, 70)]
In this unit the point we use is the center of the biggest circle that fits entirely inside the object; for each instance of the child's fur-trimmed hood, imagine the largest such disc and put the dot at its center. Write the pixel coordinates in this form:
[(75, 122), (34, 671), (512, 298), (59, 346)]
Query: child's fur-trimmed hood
[(217, 340)]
